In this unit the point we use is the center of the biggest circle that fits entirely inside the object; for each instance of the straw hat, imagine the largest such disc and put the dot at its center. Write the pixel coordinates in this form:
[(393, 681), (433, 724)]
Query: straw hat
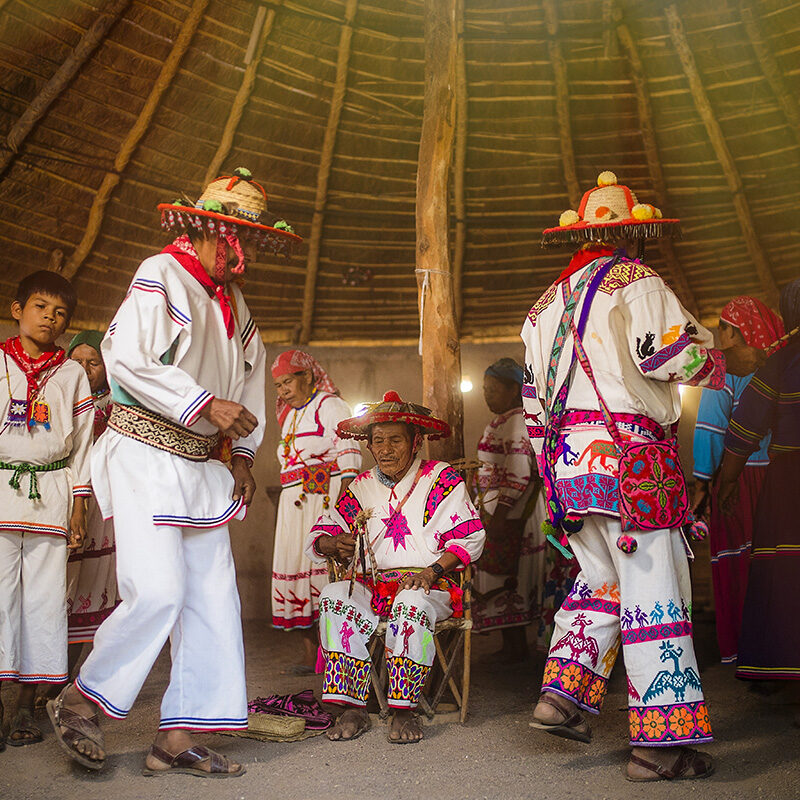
[(231, 204), (393, 409), (610, 211)]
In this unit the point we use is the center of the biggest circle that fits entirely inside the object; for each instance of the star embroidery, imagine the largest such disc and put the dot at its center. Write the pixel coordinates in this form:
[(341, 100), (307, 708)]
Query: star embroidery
[(396, 528)]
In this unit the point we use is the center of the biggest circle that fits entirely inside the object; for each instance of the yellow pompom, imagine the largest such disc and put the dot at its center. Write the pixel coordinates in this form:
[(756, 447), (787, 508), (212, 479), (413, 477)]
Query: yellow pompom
[(569, 217), (658, 213), (607, 178), (643, 211)]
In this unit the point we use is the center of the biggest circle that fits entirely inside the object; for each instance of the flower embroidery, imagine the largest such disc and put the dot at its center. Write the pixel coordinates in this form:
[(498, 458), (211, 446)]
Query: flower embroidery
[(570, 677), (653, 725), (635, 723), (596, 692), (550, 671), (703, 722), (681, 722)]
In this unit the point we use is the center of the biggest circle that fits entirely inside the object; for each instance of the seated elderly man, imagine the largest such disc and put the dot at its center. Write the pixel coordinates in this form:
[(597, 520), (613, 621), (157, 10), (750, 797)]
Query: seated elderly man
[(421, 525)]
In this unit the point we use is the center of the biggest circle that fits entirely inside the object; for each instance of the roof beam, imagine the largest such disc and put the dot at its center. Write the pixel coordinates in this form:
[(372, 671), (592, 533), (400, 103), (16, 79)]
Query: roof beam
[(324, 171), (134, 136), (770, 67), (60, 79), (460, 158), (724, 156), (262, 27), (562, 103), (648, 130)]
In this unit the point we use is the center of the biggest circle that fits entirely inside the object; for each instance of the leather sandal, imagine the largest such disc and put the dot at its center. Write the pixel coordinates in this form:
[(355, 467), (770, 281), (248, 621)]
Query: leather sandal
[(77, 728), (568, 727), (185, 763), (691, 764), (22, 722)]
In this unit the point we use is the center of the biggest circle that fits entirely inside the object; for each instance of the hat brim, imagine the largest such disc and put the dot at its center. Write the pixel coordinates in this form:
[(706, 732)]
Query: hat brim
[(603, 231), (358, 427), (181, 218)]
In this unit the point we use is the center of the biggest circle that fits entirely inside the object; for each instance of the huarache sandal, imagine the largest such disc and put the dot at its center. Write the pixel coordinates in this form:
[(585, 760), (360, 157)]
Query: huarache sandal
[(691, 764), (568, 728), (186, 763), (77, 728), (22, 723), (409, 726)]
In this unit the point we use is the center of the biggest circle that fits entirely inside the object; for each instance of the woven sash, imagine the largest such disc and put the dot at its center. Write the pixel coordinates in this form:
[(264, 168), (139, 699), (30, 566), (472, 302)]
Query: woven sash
[(31, 470), (152, 429)]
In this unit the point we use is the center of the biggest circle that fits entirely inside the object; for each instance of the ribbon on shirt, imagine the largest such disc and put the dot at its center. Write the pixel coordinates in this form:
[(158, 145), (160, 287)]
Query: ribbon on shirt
[(33, 368), (182, 250)]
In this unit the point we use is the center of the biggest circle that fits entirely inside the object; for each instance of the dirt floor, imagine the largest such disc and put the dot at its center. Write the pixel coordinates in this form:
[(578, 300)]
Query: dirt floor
[(495, 755)]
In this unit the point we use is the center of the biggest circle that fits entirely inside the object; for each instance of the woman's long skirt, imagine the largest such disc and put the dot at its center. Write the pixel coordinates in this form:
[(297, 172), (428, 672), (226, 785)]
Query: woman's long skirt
[(296, 581), (730, 538), (769, 646)]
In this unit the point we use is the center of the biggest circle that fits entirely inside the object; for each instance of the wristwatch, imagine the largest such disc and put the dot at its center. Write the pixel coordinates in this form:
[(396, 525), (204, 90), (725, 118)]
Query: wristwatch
[(438, 570)]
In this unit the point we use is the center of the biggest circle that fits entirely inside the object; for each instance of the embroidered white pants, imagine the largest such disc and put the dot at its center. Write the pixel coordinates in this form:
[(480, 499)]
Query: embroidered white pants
[(642, 601), (33, 607), (176, 583), (346, 626)]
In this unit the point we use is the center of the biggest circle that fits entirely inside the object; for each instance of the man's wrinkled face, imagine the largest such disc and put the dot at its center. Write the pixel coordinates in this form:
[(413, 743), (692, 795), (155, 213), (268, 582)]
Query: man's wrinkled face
[(392, 447)]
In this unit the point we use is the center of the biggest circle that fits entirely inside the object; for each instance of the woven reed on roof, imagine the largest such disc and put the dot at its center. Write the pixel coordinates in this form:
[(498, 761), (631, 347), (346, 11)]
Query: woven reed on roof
[(514, 178)]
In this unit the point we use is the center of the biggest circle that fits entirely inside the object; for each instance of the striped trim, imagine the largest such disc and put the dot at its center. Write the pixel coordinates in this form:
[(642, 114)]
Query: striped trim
[(33, 527), (33, 677), (778, 550), (200, 522), (106, 706), (246, 452), (112, 328), (793, 673), (738, 551), (82, 491), (196, 723), (146, 285), (82, 406), (248, 332), (192, 411), (707, 426)]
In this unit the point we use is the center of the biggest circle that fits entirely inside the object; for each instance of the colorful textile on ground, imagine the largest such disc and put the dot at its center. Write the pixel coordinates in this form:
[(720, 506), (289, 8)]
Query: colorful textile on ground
[(291, 361), (760, 326), (309, 445), (769, 645), (639, 602)]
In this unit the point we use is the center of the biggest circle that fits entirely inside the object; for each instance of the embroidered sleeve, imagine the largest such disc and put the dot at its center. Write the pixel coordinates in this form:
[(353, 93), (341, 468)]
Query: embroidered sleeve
[(533, 411), (338, 519), (668, 344), (254, 393), (756, 412), (346, 451), (82, 436), (709, 433), (518, 462), (145, 329)]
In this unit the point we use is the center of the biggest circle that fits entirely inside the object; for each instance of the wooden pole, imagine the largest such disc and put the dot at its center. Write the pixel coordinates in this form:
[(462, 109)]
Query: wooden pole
[(324, 171), (562, 103), (60, 80), (770, 67), (439, 343), (729, 168), (262, 27), (459, 168), (647, 126), (134, 136)]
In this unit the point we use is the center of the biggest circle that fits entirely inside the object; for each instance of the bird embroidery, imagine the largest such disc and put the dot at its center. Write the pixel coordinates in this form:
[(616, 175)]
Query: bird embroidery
[(579, 642), (677, 681)]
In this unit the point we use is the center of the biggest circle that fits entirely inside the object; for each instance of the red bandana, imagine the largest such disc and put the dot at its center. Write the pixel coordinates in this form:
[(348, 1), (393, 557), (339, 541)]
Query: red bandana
[(33, 368), (583, 257), (184, 253), (760, 326)]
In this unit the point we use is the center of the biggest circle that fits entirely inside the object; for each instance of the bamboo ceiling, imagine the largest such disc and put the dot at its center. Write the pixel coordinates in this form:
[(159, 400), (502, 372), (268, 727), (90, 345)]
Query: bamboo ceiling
[(126, 103)]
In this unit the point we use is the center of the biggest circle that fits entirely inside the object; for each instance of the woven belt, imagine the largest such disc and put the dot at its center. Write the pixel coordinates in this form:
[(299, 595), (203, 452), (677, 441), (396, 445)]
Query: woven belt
[(31, 470), (295, 475), (150, 428)]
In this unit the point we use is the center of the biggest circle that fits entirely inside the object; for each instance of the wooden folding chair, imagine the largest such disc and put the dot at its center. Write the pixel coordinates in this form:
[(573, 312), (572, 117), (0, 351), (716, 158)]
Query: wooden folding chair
[(451, 667)]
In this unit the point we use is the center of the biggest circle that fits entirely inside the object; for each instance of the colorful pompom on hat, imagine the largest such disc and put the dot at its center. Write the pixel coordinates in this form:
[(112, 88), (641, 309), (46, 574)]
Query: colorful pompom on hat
[(610, 211), (393, 409), (231, 204)]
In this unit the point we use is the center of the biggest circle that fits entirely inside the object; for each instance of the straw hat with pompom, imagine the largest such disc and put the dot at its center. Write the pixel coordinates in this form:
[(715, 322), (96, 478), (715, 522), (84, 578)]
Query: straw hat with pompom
[(393, 409)]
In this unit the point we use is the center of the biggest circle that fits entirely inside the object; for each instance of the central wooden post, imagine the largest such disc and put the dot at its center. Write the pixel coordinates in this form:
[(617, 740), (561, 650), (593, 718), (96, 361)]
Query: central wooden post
[(439, 341)]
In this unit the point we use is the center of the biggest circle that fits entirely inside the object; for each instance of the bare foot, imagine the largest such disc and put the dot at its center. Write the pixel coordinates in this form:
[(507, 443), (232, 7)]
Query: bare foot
[(350, 725), (405, 727), (76, 702), (175, 742), (668, 763)]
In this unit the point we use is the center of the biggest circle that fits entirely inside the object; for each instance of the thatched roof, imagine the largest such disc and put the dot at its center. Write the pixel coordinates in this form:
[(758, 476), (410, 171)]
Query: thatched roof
[(701, 95)]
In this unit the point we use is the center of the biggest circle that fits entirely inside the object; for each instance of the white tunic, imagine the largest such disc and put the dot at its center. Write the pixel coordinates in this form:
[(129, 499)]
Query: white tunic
[(68, 395), (167, 350), (437, 516)]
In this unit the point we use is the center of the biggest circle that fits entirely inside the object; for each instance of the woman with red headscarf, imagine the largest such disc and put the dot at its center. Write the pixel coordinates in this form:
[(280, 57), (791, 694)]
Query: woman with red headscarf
[(744, 320), (316, 468)]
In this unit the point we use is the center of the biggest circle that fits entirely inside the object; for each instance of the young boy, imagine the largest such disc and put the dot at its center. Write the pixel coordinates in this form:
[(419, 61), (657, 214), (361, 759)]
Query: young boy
[(45, 438)]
